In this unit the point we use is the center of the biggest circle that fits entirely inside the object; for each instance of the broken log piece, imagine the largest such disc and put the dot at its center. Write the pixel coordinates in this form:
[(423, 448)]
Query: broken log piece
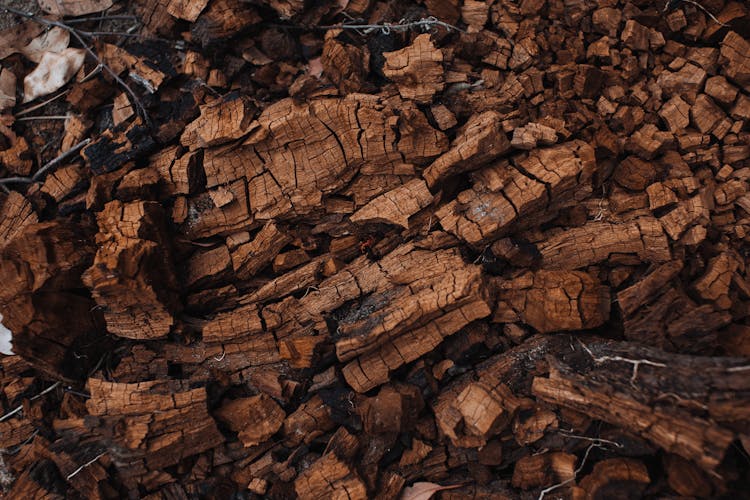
[(64, 181), (396, 206), (117, 146), (693, 212), (132, 276), (346, 65), (479, 141), (552, 301), (205, 218), (536, 185), (305, 278), (241, 322), (597, 241), (255, 419), (417, 69), (715, 282), (533, 134), (310, 420), (163, 421), (207, 267), (222, 20), (649, 392)]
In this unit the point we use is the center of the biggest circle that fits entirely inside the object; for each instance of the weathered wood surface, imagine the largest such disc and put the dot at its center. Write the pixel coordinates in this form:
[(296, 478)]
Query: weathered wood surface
[(509, 259)]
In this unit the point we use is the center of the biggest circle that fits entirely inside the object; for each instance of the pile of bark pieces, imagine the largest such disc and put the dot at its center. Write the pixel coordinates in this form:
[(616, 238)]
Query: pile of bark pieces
[(489, 249)]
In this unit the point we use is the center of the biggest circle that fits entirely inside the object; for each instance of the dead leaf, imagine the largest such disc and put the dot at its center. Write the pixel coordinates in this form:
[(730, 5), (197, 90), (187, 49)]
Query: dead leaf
[(424, 491), (7, 89), (73, 7), (315, 67), (55, 40), (15, 37), (53, 71)]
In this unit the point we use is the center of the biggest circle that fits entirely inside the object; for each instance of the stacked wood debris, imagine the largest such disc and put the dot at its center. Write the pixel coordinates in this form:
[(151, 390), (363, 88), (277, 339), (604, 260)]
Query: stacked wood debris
[(376, 248)]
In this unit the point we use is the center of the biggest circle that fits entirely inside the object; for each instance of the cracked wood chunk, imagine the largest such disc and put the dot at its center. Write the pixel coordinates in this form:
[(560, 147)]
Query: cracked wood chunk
[(552, 301), (675, 113), (330, 477), (255, 419), (302, 152), (16, 213), (479, 141), (132, 277), (221, 121), (188, 10), (598, 241), (387, 339), (396, 206), (616, 476), (117, 146), (534, 186), (417, 69), (309, 421), (241, 322), (180, 173), (251, 257), (533, 134), (648, 287), (735, 58), (482, 403), (714, 284), (546, 469), (654, 394), (689, 213), (206, 218), (689, 79), (207, 267), (158, 423)]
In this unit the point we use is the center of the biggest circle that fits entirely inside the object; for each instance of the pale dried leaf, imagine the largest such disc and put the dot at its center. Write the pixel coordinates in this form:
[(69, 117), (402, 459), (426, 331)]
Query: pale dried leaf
[(315, 67), (73, 7), (7, 89), (53, 71), (424, 490), (55, 40)]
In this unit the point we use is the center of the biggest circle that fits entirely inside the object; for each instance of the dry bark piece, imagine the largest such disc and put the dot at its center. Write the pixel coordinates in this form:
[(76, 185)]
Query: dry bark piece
[(552, 301), (345, 65), (513, 195), (417, 69), (180, 174), (597, 241), (132, 276), (397, 205), (117, 146), (641, 293), (15, 214), (478, 142), (309, 420), (675, 113), (222, 19), (255, 419)]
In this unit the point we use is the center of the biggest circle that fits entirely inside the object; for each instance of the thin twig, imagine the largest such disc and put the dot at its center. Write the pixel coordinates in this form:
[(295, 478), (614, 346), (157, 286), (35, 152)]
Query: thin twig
[(20, 407), (41, 104), (16, 180), (42, 117), (708, 13), (635, 362), (575, 473), (424, 24), (64, 156), (79, 469), (79, 36), (101, 18)]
